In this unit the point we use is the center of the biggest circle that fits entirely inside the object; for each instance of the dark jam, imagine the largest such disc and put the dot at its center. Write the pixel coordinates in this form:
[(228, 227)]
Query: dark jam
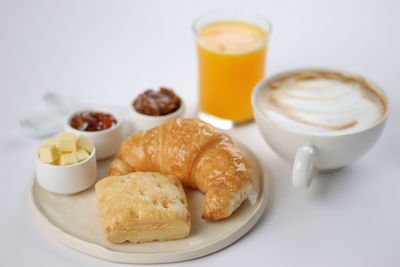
[(158, 103), (92, 121)]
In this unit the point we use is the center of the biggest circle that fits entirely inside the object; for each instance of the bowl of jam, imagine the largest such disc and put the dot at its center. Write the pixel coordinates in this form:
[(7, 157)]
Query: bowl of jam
[(153, 108), (92, 121), (103, 126)]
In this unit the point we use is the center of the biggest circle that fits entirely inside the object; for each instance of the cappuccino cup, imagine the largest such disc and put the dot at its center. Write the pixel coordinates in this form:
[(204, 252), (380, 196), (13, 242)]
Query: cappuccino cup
[(319, 119)]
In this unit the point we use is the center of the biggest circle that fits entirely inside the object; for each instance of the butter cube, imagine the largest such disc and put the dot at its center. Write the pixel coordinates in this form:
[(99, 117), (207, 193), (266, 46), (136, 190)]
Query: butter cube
[(52, 141), (67, 142), (85, 143), (57, 162), (68, 159), (48, 153), (81, 154)]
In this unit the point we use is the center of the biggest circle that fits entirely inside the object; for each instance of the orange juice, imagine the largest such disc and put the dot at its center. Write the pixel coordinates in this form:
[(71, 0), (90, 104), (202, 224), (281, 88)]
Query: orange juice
[(231, 57)]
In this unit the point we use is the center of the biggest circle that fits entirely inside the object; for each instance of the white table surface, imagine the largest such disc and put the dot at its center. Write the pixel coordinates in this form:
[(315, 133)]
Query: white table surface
[(106, 52)]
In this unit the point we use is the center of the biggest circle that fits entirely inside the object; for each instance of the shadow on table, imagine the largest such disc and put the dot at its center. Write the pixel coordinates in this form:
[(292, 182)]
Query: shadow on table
[(327, 182)]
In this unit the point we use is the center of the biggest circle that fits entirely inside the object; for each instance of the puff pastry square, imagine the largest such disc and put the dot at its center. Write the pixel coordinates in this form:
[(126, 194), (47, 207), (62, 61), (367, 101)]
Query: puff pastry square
[(142, 207)]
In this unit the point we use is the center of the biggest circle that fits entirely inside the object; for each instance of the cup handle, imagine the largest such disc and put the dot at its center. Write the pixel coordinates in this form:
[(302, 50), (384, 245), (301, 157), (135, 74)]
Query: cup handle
[(303, 166)]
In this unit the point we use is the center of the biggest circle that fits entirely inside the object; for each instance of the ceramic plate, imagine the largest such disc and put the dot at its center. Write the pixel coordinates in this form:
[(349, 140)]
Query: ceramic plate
[(74, 220)]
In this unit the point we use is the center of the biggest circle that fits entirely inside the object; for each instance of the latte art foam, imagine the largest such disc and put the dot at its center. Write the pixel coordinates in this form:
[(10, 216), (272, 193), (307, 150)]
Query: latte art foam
[(322, 103)]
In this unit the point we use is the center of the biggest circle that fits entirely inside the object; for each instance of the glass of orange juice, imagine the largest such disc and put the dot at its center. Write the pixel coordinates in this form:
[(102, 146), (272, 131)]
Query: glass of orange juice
[(231, 48)]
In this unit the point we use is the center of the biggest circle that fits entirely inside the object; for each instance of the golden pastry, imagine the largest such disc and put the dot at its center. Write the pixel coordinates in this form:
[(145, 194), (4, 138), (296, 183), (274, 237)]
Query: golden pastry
[(142, 207), (200, 155)]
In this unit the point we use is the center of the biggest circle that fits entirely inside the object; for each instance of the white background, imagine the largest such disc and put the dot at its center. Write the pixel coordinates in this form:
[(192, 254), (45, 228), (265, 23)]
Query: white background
[(106, 52)]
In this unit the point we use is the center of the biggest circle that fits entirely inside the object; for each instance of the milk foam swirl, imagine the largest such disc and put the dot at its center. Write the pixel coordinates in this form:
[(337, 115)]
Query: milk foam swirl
[(318, 103)]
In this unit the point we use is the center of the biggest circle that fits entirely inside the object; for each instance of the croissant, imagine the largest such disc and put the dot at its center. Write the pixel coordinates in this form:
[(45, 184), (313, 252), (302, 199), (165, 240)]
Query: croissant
[(201, 156)]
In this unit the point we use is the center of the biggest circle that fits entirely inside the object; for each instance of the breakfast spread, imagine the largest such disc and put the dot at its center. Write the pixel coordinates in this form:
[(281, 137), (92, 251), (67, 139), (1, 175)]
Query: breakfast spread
[(142, 207), (158, 103), (92, 121), (142, 199), (200, 155), (66, 149), (322, 102)]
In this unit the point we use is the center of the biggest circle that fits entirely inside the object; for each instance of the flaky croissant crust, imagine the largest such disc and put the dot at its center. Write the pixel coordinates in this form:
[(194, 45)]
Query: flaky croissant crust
[(200, 155)]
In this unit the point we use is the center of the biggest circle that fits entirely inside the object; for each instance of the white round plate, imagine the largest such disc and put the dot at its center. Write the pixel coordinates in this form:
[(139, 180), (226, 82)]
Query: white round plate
[(74, 220)]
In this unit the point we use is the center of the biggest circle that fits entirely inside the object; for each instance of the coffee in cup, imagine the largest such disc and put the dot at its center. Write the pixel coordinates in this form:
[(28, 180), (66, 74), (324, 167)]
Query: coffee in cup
[(324, 103), (319, 119)]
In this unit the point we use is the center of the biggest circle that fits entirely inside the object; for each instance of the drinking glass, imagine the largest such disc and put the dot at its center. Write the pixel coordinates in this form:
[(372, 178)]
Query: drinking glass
[(228, 74)]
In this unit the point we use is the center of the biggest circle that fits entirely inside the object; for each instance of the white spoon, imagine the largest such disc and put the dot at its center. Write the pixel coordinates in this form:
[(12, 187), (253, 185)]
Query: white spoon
[(60, 104), (39, 128)]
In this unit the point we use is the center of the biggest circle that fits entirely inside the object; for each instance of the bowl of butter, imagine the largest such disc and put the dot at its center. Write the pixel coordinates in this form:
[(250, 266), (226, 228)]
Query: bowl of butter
[(66, 164)]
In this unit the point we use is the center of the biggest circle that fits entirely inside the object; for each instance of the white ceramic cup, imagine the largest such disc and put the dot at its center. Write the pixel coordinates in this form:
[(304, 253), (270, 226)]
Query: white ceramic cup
[(310, 151), (67, 179), (143, 122), (108, 141)]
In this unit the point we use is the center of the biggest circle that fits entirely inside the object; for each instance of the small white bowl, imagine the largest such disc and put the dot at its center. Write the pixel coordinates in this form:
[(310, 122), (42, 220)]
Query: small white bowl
[(67, 179), (142, 122), (107, 141)]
